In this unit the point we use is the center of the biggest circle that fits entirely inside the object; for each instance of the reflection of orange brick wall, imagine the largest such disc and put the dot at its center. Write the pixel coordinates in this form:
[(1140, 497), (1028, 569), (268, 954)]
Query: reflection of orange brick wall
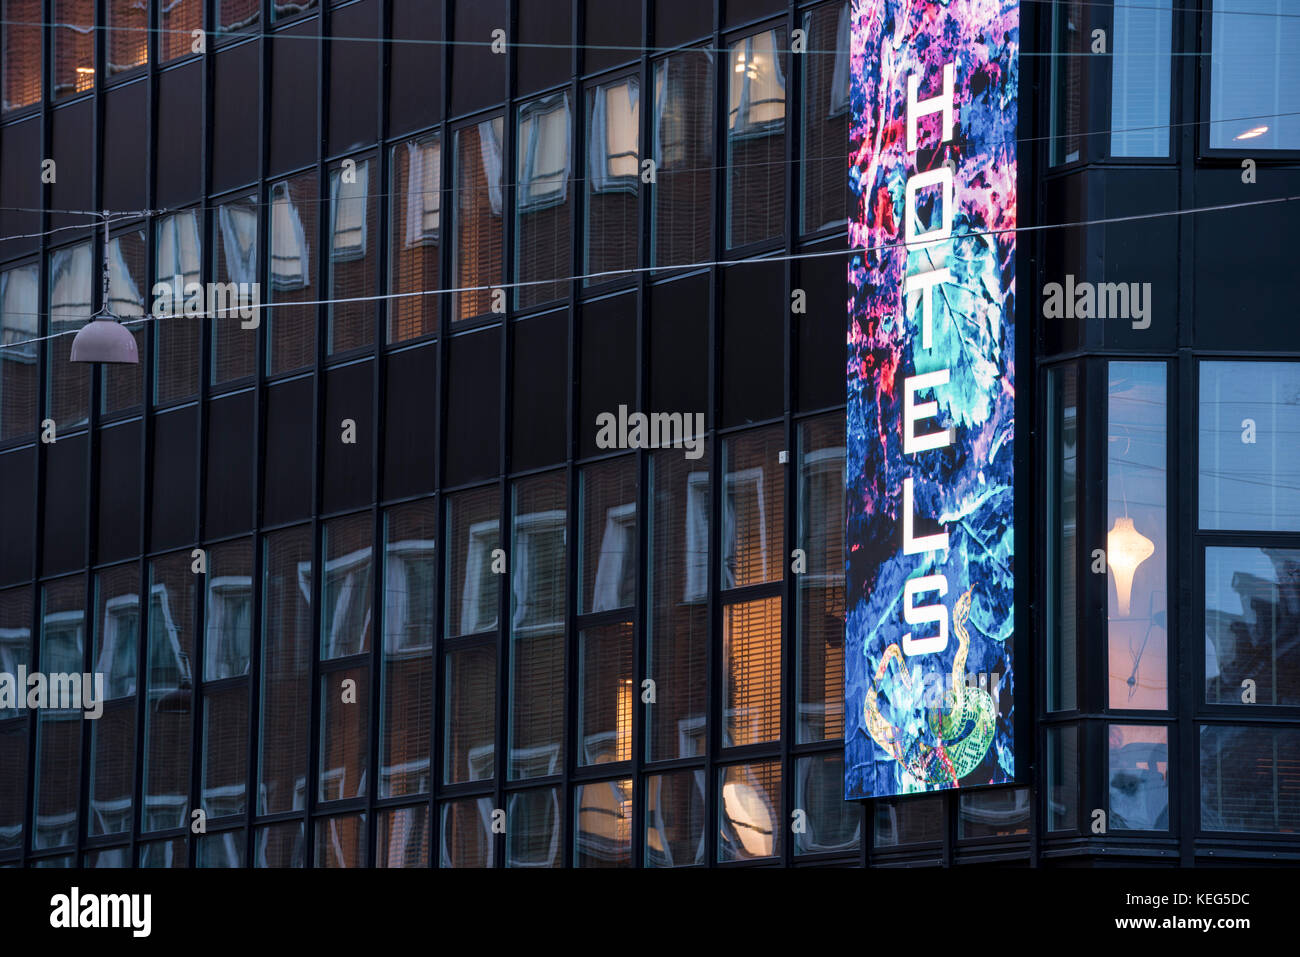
[(20, 61), (238, 13), (13, 783), (179, 18), (74, 46), (413, 268), (128, 34), (478, 229)]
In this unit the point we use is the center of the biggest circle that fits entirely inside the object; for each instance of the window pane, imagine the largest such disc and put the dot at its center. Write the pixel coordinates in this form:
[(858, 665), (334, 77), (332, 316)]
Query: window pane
[(1063, 779), (286, 670), (21, 60), (354, 225), (1250, 462), (169, 682), (58, 731), (19, 315), (279, 845), (607, 548), (1136, 556), (1254, 73), (533, 828), (15, 652), (123, 384), (238, 14), (756, 138), (683, 155), (679, 622), (1140, 71), (675, 819), (543, 210), (1071, 42), (605, 694), (996, 813), (1139, 778), (1252, 615), (288, 8), (825, 117), (470, 744), (821, 585), (613, 176), (751, 677), (341, 841), (169, 853), (236, 317), (179, 263), (229, 615), (911, 820), (402, 838), (292, 332), (127, 34), (1248, 779), (473, 534), (753, 547), (750, 820), (537, 579), (416, 237), (831, 824), (68, 382), (179, 19), (346, 591), (72, 47), (410, 581), (344, 734), (112, 736), (467, 838), (109, 857), (221, 850), (603, 826), (1062, 533), (478, 252), (225, 752)]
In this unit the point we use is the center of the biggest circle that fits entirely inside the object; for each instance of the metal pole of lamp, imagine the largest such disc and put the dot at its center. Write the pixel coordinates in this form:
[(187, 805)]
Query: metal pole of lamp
[(104, 338)]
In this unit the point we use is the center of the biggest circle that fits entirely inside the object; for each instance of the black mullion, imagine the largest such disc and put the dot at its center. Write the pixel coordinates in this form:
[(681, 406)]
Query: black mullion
[(324, 206), (643, 623), (716, 492), (448, 223), (41, 452), (252, 770), (788, 704), (379, 593), (98, 294)]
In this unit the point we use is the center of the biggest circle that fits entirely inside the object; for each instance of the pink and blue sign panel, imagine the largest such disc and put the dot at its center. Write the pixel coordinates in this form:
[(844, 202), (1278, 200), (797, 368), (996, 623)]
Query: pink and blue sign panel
[(929, 678)]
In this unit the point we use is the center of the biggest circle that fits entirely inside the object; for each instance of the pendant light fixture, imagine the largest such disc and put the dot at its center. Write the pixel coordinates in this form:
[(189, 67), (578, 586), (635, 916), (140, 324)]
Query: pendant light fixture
[(1126, 549), (104, 338)]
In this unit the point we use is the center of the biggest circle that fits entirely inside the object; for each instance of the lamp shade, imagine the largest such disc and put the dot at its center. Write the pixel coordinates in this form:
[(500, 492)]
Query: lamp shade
[(104, 340), (1126, 549)]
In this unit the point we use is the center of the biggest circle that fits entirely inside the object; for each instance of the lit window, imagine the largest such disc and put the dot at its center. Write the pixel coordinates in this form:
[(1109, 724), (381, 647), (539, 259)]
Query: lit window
[(757, 84), (1254, 73)]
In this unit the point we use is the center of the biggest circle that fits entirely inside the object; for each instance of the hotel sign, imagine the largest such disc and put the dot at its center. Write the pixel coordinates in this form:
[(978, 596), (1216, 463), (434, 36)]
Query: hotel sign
[(929, 682)]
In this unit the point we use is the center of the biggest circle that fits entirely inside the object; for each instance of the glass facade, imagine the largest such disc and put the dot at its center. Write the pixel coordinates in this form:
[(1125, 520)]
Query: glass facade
[(365, 583)]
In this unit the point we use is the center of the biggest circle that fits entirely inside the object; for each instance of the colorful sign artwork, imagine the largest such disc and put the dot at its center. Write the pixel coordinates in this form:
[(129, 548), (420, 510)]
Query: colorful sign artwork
[(929, 683)]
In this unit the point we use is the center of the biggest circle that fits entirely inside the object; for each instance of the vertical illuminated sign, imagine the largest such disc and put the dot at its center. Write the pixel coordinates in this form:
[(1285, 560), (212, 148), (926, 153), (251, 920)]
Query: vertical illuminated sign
[(929, 689)]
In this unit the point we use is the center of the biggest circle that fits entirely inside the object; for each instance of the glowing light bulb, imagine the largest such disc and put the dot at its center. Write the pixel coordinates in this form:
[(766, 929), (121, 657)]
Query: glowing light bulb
[(1126, 549), (1251, 133)]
